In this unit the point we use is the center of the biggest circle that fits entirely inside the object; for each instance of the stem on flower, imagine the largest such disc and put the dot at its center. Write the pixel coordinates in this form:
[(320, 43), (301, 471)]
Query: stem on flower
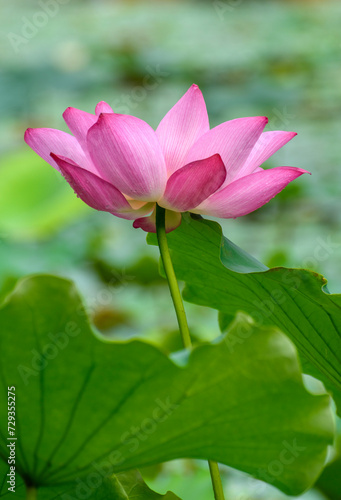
[(182, 320), (31, 493), (171, 278)]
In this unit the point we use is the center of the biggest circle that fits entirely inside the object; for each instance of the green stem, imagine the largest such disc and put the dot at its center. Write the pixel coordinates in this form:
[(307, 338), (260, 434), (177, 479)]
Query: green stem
[(182, 320), (171, 278), (31, 493), (216, 481)]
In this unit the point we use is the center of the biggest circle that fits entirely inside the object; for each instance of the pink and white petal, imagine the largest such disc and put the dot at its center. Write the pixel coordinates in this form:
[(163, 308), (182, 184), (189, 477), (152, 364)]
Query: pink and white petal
[(103, 107), (181, 128), (192, 184), (249, 193), (233, 140), (148, 224), (126, 151), (266, 146), (47, 140), (98, 193), (79, 123), (94, 191)]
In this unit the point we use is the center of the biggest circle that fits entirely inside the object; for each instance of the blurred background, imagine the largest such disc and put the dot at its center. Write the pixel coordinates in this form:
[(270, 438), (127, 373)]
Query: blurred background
[(279, 59)]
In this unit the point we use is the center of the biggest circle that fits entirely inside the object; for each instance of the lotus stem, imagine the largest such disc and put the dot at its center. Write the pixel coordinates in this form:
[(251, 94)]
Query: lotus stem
[(171, 278), (182, 320)]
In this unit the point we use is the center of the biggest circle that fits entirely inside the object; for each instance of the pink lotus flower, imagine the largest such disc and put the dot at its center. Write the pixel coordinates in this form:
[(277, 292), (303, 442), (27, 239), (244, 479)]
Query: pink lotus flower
[(119, 164)]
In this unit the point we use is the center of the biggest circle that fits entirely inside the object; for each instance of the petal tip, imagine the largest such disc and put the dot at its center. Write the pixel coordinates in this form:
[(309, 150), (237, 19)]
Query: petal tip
[(68, 112), (146, 224), (300, 171), (103, 107), (27, 133), (100, 118), (297, 172), (103, 117), (290, 135), (217, 156)]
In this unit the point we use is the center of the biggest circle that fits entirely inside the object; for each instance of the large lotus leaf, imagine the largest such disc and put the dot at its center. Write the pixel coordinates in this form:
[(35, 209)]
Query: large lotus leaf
[(220, 275), (131, 486), (121, 486), (85, 406), (329, 483)]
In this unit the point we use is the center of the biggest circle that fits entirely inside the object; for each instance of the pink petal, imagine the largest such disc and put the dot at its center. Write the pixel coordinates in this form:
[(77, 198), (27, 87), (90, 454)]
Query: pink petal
[(103, 107), (266, 146), (233, 140), (126, 151), (79, 123), (47, 140), (148, 224), (248, 193), (181, 128), (96, 192), (192, 184)]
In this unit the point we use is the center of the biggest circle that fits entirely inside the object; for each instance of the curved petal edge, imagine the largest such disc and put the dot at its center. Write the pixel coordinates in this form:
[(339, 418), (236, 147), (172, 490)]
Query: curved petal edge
[(249, 193)]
